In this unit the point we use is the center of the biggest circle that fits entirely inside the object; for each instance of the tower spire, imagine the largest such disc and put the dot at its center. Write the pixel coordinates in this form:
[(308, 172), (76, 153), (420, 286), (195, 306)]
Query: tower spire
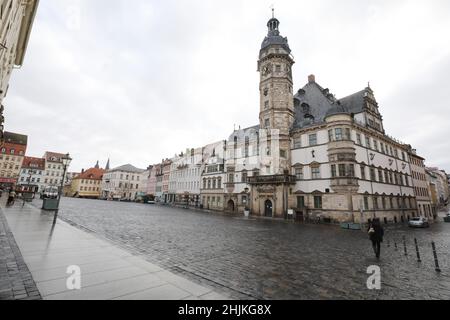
[(107, 165)]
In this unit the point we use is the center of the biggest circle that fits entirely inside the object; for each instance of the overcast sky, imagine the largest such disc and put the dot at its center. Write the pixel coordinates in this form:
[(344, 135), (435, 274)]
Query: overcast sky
[(138, 81)]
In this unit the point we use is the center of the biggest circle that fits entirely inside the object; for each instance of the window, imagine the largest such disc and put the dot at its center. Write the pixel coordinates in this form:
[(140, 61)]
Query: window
[(317, 202), (375, 144), (358, 139), (244, 176), (375, 203), (342, 170), (363, 173), (315, 172), (386, 177), (330, 135), (380, 175), (278, 68), (299, 173), (300, 202), (372, 174), (266, 104), (313, 139), (267, 123), (333, 171), (283, 154), (351, 172), (297, 143), (231, 178), (347, 134), (366, 203), (368, 142), (338, 134)]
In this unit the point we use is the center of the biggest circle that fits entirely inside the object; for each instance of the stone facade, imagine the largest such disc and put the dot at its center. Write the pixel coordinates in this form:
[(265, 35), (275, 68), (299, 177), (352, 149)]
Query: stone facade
[(16, 20), (311, 156)]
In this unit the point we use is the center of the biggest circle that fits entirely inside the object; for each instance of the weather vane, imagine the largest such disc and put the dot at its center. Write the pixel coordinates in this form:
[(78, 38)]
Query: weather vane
[(273, 10)]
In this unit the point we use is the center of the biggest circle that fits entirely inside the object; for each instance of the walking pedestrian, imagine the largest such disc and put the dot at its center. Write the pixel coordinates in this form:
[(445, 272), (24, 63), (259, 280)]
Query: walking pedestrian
[(11, 197), (376, 234)]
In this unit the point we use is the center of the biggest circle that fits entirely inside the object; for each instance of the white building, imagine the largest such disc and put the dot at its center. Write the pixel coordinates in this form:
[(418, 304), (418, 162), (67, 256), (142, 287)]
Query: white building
[(32, 174), (54, 169), (122, 183)]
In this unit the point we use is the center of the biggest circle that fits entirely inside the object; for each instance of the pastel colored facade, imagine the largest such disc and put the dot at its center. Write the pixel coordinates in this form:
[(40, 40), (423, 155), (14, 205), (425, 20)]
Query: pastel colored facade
[(16, 20), (12, 154), (442, 187), (143, 185), (165, 167), (88, 184), (32, 174), (151, 184), (121, 183)]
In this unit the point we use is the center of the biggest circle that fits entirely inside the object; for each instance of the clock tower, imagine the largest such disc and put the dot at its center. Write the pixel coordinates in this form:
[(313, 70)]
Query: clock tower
[(270, 187), (276, 100)]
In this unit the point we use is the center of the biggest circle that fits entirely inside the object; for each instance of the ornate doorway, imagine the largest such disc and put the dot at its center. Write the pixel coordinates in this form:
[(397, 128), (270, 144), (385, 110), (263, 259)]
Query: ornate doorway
[(230, 206), (268, 209)]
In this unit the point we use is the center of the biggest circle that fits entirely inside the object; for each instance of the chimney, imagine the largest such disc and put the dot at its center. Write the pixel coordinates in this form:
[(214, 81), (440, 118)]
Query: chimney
[(311, 78), (82, 171)]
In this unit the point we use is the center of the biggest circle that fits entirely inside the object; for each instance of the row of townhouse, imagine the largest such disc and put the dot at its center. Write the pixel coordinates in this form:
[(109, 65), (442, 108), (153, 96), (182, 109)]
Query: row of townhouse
[(310, 155), (17, 169), (38, 173)]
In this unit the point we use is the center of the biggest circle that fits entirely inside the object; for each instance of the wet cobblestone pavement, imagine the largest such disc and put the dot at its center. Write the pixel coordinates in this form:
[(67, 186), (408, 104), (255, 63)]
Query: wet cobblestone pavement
[(16, 281), (263, 259)]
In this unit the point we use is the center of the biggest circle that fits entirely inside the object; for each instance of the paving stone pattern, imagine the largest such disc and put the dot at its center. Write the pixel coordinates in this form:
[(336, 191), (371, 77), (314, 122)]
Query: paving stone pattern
[(16, 281), (262, 259)]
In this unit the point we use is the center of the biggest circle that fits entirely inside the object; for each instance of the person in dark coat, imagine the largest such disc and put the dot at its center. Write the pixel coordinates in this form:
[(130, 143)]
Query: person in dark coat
[(376, 234)]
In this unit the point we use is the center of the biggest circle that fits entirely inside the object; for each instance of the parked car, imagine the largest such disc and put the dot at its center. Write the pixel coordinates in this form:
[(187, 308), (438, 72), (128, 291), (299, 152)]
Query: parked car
[(50, 192), (419, 222)]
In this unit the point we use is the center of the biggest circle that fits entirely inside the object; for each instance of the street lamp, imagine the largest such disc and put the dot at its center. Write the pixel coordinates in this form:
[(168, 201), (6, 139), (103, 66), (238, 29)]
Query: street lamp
[(66, 162)]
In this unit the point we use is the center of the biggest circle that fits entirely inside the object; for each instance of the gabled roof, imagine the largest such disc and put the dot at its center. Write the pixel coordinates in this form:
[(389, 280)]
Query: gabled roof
[(33, 163), (16, 138), (91, 174), (242, 133), (355, 103), (128, 168), (312, 104), (53, 155)]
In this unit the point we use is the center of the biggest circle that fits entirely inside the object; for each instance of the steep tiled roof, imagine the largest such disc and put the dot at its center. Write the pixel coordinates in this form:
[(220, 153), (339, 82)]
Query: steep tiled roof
[(92, 174), (16, 138), (33, 163), (53, 155)]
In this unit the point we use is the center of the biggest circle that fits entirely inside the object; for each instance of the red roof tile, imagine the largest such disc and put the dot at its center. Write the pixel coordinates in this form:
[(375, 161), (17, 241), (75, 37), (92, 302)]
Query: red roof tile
[(91, 174)]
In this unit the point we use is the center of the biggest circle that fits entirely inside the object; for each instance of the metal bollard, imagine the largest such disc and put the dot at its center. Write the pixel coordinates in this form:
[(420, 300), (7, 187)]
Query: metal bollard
[(404, 246), (436, 262), (417, 251)]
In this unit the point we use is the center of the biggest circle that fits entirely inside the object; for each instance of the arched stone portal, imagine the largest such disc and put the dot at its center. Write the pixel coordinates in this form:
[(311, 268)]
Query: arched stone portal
[(230, 206), (268, 212)]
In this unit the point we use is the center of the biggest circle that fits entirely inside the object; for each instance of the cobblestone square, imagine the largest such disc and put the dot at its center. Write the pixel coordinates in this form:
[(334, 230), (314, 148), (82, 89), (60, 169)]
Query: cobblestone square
[(266, 259)]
